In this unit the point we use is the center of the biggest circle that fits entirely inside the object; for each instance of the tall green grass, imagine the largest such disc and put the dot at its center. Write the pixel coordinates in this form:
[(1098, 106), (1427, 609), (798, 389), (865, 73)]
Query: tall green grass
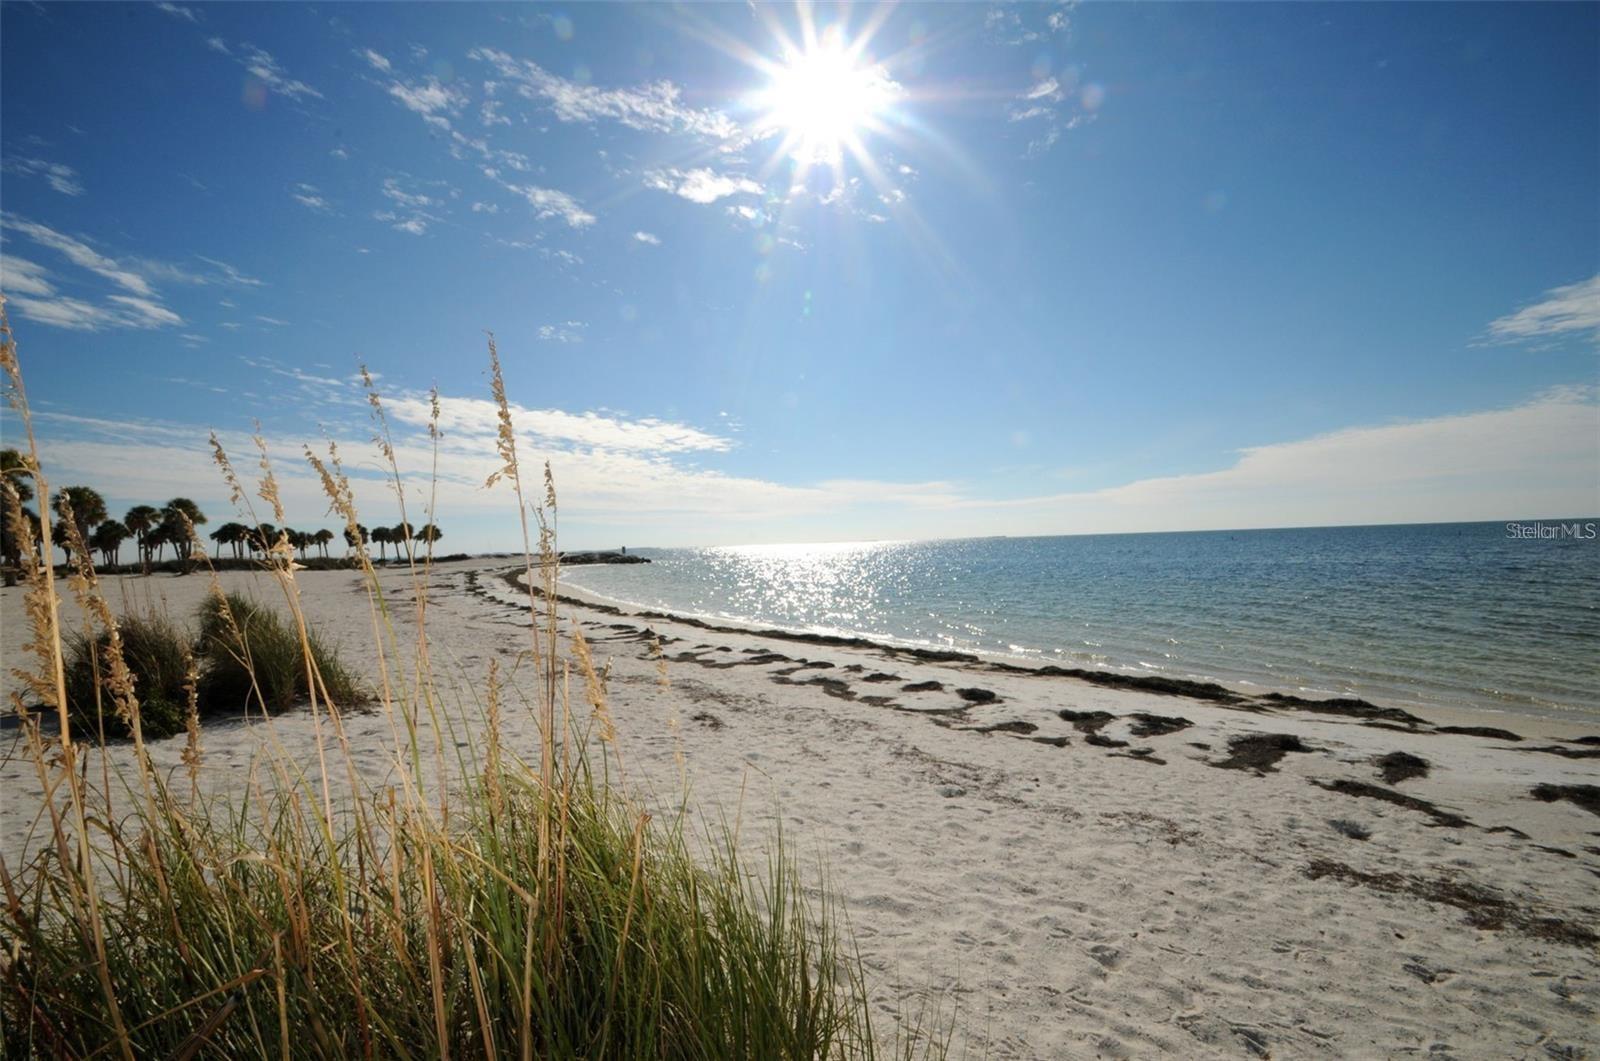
[(157, 653), (252, 659), (536, 912)]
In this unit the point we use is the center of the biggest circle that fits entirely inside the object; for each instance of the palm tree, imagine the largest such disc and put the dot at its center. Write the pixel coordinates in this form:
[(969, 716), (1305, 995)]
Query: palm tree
[(107, 540), (183, 516), (383, 536), (156, 541), (263, 538), (233, 535), (322, 538), (429, 532), (400, 535), (141, 520), (88, 507), (359, 537), (11, 542), (15, 470), (298, 540)]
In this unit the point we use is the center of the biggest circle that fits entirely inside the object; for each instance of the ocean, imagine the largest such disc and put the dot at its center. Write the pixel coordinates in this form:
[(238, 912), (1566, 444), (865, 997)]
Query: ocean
[(1496, 616)]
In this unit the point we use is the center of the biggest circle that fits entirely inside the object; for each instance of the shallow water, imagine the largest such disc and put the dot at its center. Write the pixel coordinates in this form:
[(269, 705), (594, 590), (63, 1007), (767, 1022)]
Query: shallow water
[(1457, 614)]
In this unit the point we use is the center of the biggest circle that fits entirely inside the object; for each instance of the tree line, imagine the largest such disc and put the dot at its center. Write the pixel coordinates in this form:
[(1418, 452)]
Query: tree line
[(153, 530)]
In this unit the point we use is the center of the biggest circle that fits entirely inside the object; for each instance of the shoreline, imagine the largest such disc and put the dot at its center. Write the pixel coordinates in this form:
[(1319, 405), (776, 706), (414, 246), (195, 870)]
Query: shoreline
[(1456, 715), (1071, 869)]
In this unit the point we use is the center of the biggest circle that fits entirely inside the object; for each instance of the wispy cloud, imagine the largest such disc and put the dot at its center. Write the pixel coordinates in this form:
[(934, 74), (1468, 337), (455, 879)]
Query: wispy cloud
[(144, 312), (648, 237), (134, 302), (1562, 310), (655, 107), (227, 274), (261, 65), (61, 177), (410, 211), (434, 100), (547, 203), (565, 332), (188, 14), (438, 103), (1046, 104), (33, 294), (1017, 24), (309, 197), (701, 185), (1534, 460), (479, 418), (80, 254), (376, 60), (219, 273), (18, 276)]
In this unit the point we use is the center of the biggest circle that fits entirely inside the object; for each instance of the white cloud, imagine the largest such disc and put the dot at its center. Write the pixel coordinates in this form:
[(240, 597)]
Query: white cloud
[(547, 202), (432, 99), (1048, 88), (478, 419), (274, 321), (414, 200), (376, 60), (309, 197), (79, 254), (34, 297), (177, 11), (264, 68), (145, 313), (1058, 103), (1006, 26), (18, 276), (654, 107), (61, 177), (565, 332), (702, 185), (1534, 460), (411, 214), (340, 153), (415, 225), (227, 274), (489, 113), (647, 237), (485, 208), (1573, 308)]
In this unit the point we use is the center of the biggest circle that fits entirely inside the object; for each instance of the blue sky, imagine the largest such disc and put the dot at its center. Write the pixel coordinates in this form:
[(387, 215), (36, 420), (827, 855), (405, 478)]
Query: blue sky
[(1076, 268)]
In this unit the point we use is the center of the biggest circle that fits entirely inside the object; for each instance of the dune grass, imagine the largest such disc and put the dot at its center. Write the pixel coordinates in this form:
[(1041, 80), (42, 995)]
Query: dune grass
[(534, 910), (252, 660), (157, 653), (245, 660)]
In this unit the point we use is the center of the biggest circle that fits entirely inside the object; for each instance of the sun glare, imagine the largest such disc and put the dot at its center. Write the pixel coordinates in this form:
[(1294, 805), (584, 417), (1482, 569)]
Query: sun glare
[(822, 98)]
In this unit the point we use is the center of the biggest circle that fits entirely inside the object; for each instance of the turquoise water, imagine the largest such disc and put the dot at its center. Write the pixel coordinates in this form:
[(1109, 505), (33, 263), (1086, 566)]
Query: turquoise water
[(1459, 614)]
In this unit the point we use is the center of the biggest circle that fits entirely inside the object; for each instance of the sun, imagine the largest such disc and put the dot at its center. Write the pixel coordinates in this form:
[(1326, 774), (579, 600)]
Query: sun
[(823, 98)]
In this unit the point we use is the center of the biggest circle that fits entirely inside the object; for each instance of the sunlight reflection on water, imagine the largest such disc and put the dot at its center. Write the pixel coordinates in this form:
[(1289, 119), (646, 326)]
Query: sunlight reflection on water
[(1443, 614)]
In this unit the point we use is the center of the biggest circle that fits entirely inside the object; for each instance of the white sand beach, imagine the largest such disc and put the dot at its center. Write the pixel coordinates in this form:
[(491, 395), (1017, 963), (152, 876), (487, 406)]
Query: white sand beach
[(1125, 884)]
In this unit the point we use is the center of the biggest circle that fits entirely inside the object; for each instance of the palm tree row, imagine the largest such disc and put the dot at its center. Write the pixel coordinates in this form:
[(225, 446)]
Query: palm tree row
[(154, 529)]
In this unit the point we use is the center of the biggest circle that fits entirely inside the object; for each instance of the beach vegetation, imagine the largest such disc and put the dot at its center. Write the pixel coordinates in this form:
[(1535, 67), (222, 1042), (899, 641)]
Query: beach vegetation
[(490, 889)]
